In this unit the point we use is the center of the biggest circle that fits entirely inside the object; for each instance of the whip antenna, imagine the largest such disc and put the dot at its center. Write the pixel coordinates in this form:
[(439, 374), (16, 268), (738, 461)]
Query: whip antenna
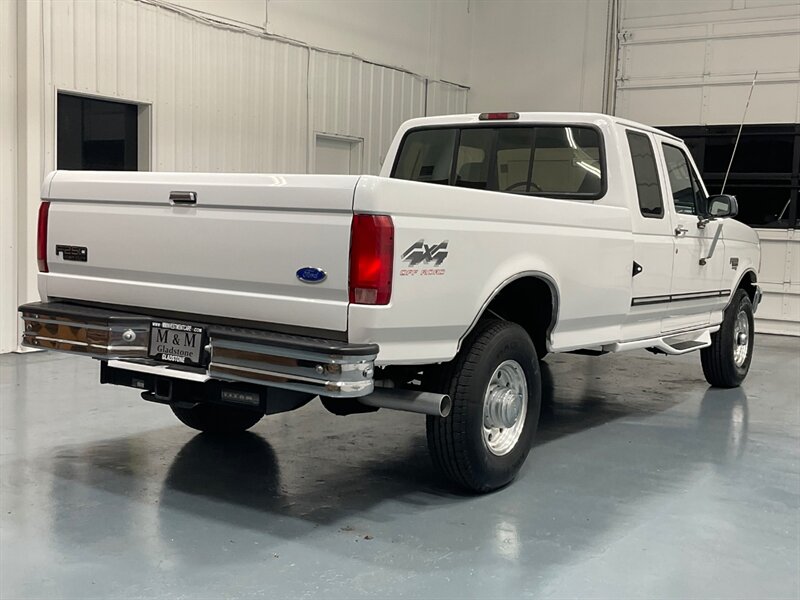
[(738, 135)]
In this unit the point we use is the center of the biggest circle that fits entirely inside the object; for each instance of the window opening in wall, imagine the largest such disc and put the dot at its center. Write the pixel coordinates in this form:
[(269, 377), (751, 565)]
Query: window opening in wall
[(765, 175), (98, 135)]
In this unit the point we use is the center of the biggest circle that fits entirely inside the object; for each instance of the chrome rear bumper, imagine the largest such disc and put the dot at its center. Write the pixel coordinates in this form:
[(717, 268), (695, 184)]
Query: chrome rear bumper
[(325, 367)]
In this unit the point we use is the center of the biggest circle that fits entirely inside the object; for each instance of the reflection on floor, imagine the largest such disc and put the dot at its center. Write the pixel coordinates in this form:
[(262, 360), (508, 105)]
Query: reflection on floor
[(643, 482)]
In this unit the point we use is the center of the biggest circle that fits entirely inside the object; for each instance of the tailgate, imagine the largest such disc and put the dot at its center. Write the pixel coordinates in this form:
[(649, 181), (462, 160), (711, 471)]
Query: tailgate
[(235, 252)]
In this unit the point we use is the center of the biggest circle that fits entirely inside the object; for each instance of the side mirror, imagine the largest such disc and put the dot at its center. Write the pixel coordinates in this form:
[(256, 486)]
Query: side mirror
[(721, 206)]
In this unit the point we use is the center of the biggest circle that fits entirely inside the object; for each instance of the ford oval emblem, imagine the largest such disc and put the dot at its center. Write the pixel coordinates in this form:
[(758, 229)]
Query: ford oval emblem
[(311, 275)]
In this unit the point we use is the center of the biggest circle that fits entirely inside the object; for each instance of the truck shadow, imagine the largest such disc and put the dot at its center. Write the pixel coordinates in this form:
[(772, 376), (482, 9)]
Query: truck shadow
[(340, 470), (370, 475)]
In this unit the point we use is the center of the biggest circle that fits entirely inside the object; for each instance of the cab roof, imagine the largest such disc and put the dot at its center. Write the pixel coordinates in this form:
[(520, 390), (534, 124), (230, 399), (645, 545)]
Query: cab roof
[(587, 118)]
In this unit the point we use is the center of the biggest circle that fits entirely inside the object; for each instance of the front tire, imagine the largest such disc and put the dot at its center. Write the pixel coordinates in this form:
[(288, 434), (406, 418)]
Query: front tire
[(215, 418), (727, 360), (495, 386)]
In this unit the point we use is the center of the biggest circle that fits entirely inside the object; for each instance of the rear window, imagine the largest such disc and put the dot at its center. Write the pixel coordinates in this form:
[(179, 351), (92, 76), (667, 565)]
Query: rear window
[(562, 161)]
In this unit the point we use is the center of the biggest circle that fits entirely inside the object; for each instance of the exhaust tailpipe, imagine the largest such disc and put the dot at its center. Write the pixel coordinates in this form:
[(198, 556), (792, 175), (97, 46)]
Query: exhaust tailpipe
[(426, 403)]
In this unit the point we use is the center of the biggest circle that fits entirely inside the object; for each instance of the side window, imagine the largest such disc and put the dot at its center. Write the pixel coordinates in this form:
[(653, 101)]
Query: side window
[(686, 190), (645, 172), (427, 156)]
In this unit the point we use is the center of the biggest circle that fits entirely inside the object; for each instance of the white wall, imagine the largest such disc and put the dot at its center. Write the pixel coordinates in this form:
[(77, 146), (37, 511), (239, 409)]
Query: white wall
[(538, 55), (430, 37), (427, 37), (221, 100), (780, 281)]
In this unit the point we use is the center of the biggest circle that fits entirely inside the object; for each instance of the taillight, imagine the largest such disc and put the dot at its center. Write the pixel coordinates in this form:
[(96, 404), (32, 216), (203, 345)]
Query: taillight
[(371, 258), (41, 237)]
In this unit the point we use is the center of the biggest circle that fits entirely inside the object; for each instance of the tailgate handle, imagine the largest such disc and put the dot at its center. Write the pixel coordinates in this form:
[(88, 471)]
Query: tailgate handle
[(183, 197)]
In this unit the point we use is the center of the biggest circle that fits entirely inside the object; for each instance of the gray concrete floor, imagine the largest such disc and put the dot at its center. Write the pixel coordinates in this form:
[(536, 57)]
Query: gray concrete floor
[(644, 483)]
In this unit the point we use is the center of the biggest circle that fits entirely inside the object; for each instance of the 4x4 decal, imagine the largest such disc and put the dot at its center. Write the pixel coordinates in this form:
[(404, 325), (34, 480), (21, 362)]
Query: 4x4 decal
[(420, 253)]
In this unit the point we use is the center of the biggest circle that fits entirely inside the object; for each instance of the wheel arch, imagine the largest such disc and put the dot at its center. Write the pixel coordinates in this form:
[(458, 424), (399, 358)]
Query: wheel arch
[(537, 322), (746, 282)]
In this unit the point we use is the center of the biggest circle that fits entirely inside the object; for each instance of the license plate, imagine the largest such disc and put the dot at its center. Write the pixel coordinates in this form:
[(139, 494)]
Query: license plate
[(179, 343)]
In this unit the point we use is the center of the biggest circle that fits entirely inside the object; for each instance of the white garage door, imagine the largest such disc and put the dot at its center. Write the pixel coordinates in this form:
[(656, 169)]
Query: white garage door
[(690, 63)]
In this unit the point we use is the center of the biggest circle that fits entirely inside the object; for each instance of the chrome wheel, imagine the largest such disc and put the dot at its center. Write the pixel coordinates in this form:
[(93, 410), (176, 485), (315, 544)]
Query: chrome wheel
[(505, 405), (741, 338)]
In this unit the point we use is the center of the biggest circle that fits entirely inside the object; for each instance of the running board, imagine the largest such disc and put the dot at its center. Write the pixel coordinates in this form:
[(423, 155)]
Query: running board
[(673, 344)]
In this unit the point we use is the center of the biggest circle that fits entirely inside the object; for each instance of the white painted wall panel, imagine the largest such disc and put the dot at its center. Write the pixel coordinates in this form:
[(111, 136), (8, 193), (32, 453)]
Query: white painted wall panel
[(542, 55), (687, 63), (428, 37), (8, 176), (662, 106), (354, 99), (445, 99), (206, 84), (780, 281), (682, 59), (251, 12)]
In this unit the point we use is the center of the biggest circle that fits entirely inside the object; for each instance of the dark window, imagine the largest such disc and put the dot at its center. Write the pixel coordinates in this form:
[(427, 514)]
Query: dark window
[(427, 156), (552, 160), (645, 172), (686, 191), (96, 134), (765, 174)]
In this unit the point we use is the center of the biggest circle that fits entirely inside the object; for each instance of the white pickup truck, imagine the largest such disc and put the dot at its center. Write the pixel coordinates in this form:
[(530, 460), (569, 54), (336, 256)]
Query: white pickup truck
[(487, 242)]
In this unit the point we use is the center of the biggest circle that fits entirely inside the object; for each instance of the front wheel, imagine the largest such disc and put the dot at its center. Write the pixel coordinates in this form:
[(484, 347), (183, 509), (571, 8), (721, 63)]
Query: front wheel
[(727, 360), (215, 418), (495, 386)]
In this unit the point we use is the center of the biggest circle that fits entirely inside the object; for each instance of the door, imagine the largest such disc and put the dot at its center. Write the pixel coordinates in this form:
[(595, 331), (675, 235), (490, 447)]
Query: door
[(696, 269), (653, 243), (335, 155)]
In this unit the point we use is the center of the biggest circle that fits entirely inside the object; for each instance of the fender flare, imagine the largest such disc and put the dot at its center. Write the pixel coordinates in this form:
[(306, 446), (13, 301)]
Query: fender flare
[(554, 291)]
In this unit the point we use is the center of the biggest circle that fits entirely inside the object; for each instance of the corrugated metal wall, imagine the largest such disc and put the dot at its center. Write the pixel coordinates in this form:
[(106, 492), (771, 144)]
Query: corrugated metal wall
[(692, 63), (221, 100), (360, 100), (445, 99), (227, 100), (218, 98)]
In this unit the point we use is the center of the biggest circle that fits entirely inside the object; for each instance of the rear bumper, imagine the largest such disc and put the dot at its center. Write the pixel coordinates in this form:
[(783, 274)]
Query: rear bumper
[(304, 364)]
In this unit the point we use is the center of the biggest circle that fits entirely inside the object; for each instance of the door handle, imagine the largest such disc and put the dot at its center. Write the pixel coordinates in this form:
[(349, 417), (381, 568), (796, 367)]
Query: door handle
[(183, 198), (681, 231)]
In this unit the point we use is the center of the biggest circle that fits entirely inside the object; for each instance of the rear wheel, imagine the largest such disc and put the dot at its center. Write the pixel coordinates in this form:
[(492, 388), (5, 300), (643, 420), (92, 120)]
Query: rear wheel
[(727, 360), (495, 386), (215, 418)]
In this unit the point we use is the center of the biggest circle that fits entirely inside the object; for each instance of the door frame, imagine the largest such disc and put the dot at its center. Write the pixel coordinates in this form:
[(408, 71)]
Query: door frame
[(356, 149)]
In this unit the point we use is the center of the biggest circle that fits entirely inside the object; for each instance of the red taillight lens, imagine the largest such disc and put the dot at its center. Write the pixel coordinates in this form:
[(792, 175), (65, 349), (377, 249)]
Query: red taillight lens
[(371, 258), (41, 237)]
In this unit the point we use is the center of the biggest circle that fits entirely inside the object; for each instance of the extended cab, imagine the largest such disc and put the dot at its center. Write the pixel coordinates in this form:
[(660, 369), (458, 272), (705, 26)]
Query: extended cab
[(487, 242)]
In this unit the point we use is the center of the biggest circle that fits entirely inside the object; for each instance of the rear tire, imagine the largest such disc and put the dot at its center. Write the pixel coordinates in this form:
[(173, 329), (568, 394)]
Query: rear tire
[(214, 418), (498, 361), (727, 360)]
